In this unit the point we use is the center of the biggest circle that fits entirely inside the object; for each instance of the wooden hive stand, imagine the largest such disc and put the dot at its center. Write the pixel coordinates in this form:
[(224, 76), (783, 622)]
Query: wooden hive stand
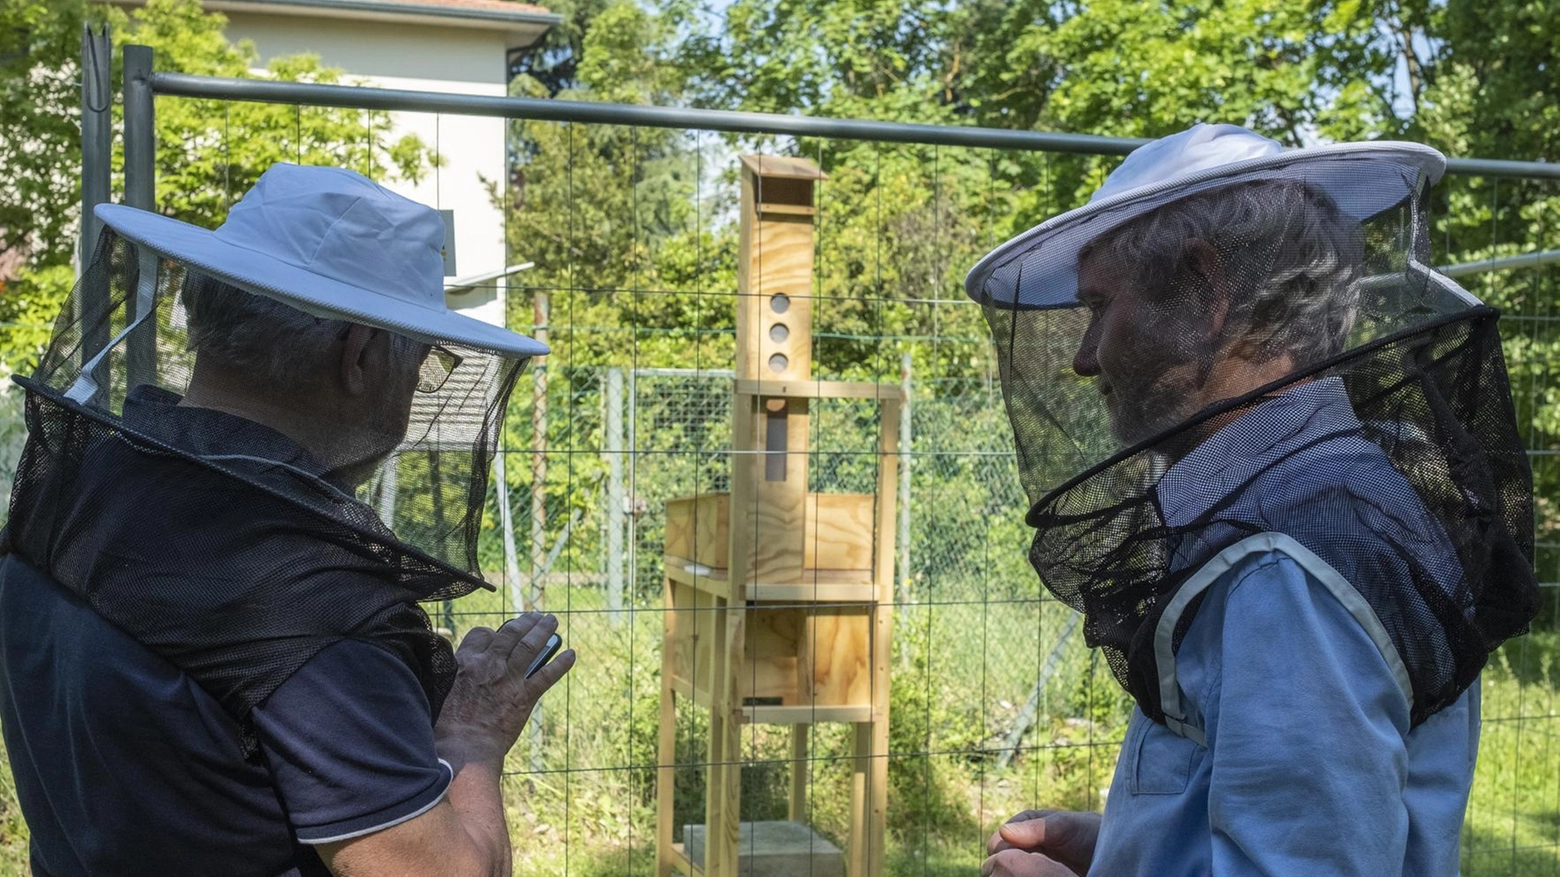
[(779, 600)]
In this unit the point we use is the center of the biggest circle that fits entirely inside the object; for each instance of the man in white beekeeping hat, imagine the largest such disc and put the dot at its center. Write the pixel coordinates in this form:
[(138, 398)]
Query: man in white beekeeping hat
[(252, 453), (1273, 459)]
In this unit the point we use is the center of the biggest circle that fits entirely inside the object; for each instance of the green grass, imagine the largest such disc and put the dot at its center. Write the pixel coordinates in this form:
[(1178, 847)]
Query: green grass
[(960, 673), (1513, 823)]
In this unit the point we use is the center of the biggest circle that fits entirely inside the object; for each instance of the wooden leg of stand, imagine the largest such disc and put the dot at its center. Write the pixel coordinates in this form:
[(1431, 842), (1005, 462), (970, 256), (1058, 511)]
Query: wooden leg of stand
[(877, 798), (877, 739), (799, 773), (723, 805), (715, 760), (666, 749), (856, 852), (726, 833)]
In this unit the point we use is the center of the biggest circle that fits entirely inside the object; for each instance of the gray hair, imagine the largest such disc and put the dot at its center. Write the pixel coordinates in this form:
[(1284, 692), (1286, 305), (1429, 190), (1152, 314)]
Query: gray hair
[(275, 343), (1294, 260)]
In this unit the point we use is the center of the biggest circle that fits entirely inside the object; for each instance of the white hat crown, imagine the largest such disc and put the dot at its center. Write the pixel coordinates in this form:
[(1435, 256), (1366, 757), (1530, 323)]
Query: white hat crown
[(1039, 268), (340, 225), (332, 243), (1198, 148)]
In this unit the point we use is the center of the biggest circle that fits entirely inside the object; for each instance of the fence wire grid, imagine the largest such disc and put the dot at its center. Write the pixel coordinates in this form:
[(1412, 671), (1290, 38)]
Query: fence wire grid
[(996, 704)]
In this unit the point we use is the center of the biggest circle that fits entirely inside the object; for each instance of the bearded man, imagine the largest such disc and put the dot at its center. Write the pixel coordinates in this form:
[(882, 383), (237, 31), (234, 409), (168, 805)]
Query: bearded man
[(1295, 513)]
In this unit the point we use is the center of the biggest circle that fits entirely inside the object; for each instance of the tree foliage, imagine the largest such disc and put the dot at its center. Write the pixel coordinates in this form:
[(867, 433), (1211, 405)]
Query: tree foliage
[(634, 230), (40, 103), (208, 152)]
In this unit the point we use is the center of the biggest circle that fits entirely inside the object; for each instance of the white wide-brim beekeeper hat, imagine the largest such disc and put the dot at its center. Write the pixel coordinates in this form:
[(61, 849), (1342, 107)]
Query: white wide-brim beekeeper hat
[(1039, 268), (334, 244)]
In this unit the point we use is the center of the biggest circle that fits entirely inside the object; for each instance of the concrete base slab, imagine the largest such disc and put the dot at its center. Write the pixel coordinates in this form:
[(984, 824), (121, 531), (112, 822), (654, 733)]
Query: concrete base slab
[(775, 849)]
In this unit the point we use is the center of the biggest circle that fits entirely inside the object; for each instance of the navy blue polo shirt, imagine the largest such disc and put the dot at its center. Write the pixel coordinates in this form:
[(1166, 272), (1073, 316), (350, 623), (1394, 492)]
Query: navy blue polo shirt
[(125, 765)]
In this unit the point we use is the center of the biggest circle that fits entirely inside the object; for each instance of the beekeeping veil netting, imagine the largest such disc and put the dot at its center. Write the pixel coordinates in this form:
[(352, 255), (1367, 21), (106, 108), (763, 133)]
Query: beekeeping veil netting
[(238, 483), (1260, 346)]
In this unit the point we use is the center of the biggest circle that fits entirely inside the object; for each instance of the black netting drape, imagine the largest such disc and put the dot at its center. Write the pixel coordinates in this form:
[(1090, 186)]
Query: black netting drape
[(1258, 356)]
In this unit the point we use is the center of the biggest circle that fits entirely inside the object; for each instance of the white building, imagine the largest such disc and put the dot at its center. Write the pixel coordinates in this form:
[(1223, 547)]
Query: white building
[(452, 46)]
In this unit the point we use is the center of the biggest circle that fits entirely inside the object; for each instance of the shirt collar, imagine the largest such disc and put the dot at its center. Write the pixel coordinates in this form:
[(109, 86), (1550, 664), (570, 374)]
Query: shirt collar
[(1268, 435), (205, 432)]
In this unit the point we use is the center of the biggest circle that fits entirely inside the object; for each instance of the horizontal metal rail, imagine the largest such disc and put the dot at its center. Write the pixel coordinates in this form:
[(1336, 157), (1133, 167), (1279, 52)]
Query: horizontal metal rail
[(1504, 263), (364, 98), (546, 110)]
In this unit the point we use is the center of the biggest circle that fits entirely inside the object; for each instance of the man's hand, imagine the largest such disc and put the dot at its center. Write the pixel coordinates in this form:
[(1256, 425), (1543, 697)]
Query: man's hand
[(1054, 836), (1017, 863), (492, 700), (465, 834)]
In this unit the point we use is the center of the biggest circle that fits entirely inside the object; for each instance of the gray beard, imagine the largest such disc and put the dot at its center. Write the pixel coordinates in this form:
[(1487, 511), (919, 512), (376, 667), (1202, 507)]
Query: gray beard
[(1134, 420)]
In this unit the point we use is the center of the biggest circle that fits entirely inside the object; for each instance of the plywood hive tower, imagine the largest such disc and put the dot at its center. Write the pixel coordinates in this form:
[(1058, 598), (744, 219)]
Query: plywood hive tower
[(779, 600)]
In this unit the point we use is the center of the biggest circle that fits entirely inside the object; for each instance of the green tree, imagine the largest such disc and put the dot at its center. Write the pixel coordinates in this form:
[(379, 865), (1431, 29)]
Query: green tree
[(604, 211), (40, 102), (208, 152)]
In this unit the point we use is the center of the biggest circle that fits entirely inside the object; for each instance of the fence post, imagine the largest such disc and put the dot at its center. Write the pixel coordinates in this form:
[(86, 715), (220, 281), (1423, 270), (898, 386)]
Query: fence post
[(96, 129), (506, 520), (140, 130), (905, 384), (389, 483), (615, 509), (631, 520), (539, 316), (1031, 710), (140, 192), (96, 155)]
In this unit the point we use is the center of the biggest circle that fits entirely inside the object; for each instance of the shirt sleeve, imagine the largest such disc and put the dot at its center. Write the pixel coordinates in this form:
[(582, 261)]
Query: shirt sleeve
[(1306, 731), (349, 740)]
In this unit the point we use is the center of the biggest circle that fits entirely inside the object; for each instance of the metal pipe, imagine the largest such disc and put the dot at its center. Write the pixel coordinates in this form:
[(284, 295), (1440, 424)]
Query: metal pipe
[(140, 192), (1494, 167), (140, 129), (615, 497), (97, 127), (96, 151), (315, 94), (1504, 263), (904, 592)]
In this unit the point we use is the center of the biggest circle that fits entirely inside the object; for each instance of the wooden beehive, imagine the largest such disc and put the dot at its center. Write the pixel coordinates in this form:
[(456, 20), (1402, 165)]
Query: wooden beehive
[(779, 598)]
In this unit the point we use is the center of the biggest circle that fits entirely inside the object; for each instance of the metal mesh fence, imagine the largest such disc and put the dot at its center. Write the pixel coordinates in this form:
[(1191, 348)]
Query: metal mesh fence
[(996, 705), (996, 700)]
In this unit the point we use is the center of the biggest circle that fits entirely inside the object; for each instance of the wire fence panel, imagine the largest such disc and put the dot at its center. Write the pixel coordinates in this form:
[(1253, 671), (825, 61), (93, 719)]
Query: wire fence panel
[(996, 703)]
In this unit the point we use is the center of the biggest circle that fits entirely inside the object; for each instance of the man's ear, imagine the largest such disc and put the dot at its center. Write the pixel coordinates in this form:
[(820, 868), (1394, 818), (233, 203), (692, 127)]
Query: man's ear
[(355, 352), (1203, 267)]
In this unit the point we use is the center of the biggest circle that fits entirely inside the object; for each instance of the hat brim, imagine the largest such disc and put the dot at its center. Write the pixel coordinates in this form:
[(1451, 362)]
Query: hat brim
[(1038, 269), (259, 273)]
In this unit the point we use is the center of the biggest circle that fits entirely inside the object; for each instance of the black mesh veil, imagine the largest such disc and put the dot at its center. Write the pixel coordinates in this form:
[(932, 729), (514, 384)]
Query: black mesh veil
[(238, 484), (1259, 354)]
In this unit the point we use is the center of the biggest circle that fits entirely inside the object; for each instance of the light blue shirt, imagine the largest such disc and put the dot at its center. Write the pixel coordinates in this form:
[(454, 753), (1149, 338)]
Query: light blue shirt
[(1310, 766)]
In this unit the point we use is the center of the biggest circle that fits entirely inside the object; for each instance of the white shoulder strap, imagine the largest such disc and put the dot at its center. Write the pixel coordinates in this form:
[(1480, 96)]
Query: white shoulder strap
[(1223, 562)]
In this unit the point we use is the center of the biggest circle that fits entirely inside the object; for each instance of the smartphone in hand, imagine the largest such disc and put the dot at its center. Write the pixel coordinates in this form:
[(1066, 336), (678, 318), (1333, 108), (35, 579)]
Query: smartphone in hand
[(549, 651)]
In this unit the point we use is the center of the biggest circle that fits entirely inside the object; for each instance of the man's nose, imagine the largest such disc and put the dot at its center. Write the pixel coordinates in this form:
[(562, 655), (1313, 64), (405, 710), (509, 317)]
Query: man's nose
[(1086, 362)]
